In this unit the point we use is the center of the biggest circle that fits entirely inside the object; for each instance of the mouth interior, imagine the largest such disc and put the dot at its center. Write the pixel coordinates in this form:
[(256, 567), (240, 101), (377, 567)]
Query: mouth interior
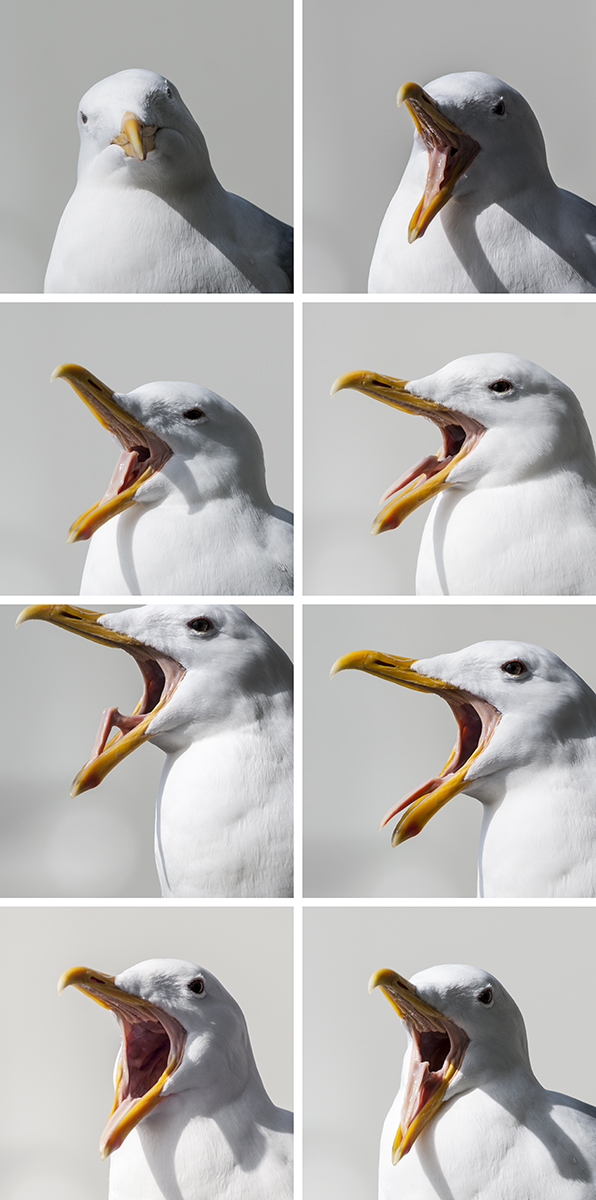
[(476, 722), (450, 152), (146, 1051), (459, 438), (433, 1049), (161, 676)]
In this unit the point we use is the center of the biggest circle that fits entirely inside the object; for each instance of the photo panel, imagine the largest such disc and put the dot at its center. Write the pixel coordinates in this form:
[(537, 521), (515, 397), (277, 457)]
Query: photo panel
[(375, 743), (62, 1050), (354, 1042)]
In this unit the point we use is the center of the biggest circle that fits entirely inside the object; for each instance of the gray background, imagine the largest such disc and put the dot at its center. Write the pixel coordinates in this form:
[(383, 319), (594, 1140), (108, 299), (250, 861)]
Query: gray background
[(368, 742), (355, 1043), (101, 843), (231, 62), (357, 142), (61, 459), (60, 1053), (355, 447)]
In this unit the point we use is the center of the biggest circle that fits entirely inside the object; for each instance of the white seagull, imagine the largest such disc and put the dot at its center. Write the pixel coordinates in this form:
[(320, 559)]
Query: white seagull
[(218, 700), (514, 483), (471, 1121), (191, 1118), (148, 213), (187, 511), (479, 160), (526, 749)]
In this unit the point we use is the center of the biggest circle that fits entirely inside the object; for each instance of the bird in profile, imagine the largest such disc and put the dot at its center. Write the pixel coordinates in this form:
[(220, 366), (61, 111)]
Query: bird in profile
[(217, 700), (514, 483), (187, 509), (470, 1120), (526, 749), (477, 209), (191, 1118), (148, 213)]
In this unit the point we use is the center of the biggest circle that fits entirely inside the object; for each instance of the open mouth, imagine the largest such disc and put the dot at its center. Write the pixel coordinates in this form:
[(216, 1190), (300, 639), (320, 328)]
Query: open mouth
[(143, 452), (450, 152), (432, 474), (152, 1050), (161, 676), (136, 139), (438, 1049), (476, 719)]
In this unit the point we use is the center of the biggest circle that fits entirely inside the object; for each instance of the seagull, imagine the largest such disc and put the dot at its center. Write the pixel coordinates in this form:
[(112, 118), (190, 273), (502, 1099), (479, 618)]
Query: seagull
[(526, 749), (148, 213), (217, 700), (514, 483), (471, 1121), (187, 511), (191, 1117), (479, 160)]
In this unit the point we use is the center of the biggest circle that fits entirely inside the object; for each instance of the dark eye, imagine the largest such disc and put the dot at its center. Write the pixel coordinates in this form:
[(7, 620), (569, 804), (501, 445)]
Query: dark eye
[(169, 93), (485, 996), (193, 414), (501, 385), (197, 986), (201, 624), (499, 108), (516, 667), (84, 118)]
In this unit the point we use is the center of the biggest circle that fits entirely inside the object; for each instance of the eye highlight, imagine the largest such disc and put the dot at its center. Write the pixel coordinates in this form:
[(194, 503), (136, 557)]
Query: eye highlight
[(515, 667), (501, 385), (201, 624), (193, 414), (197, 986), (485, 996)]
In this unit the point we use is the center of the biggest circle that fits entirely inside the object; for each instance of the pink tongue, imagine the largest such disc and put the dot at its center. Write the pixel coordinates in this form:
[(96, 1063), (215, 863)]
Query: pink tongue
[(427, 466), (438, 157), (112, 719), (126, 465)]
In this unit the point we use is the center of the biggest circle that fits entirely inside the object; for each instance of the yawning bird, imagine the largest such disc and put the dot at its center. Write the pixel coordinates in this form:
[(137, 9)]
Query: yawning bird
[(148, 213), (218, 700), (526, 749), (187, 509), (479, 160), (191, 1117), (514, 481), (471, 1121)]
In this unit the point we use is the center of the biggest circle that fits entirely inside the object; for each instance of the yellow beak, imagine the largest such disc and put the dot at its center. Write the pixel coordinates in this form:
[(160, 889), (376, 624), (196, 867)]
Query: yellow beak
[(425, 1089), (84, 621), (430, 477), (450, 152), (144, 452), (131, 1011), (477, 720), (135, 138)]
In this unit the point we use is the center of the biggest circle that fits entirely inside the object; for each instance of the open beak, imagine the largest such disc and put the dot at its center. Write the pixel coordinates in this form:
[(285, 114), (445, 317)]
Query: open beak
[(438, 1049), (476, 721), (152, 1050), (161, 676), (432, 474), (143, 452), (135, 138), (450, 152)]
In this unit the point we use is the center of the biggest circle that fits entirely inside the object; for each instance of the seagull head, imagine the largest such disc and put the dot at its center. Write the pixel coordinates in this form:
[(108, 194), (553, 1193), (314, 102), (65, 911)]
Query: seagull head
[(135, 127), (465, 1031), (503, 420), (181, 1030), (179, 441), (205, 668), (478, 138), (515, 705)]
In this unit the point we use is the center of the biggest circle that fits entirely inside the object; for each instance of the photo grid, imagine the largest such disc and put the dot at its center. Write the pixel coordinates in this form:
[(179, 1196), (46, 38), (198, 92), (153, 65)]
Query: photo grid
[(233, 834)]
